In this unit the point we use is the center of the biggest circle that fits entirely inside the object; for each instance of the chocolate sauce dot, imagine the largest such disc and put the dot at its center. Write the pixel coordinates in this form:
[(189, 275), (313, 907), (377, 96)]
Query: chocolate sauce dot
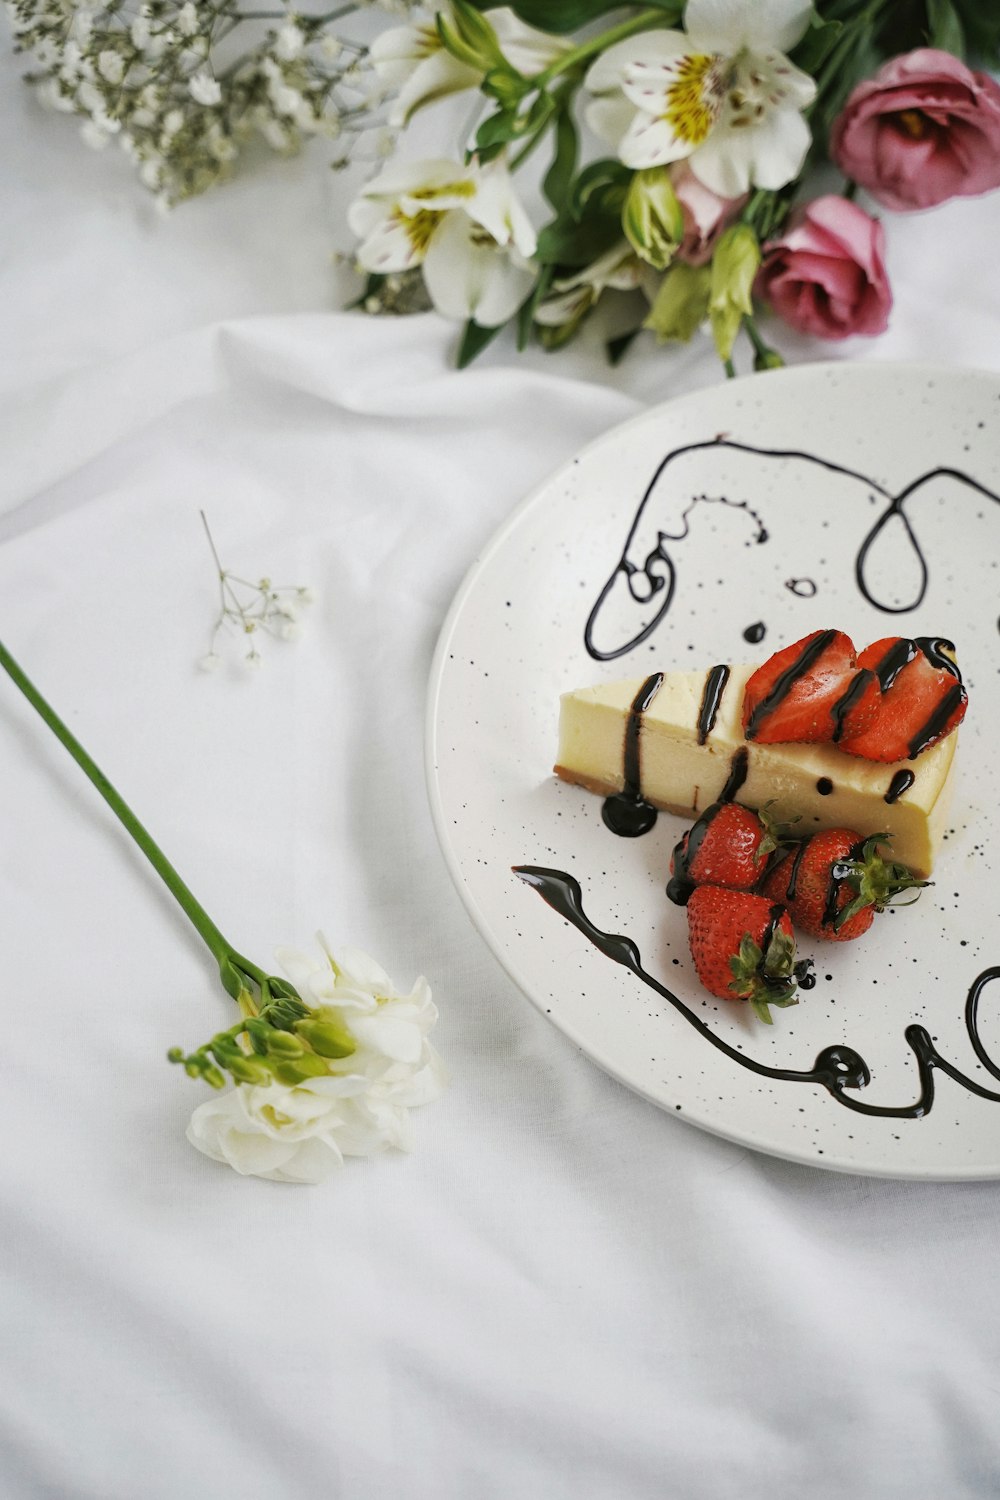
[(755, 633), (803, 587), (824, 786)]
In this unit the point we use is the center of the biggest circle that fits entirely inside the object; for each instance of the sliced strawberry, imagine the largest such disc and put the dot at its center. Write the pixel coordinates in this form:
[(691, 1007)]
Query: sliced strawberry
[(920, 699), (743, 947), (804, 693)]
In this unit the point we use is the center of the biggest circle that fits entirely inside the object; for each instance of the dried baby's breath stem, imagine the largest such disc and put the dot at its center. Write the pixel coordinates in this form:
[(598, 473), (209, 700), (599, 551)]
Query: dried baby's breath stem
[(261, 606)]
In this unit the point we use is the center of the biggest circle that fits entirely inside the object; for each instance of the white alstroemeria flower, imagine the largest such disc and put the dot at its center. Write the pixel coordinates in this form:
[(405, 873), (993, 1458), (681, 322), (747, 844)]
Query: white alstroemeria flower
[(462, 224), (414, 60), (618, 270), (302, 1132), (723, 95)]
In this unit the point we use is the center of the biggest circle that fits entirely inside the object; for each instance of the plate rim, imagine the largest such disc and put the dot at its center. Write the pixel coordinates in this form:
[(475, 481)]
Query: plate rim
[(480, 561)]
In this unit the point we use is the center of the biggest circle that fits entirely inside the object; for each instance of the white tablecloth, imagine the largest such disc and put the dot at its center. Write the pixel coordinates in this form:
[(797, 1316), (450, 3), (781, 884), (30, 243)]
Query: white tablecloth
[(562, 1294)]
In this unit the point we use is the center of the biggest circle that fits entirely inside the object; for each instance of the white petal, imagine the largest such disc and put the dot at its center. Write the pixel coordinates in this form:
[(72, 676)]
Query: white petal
[(389, 248), (435, 77), (527, 50), (471, 280), (360, 970), (767, 155), (652, 143), (610, 117), (608, 70), (313, 1161), (392, 1037), (727, 26), (498, 210)]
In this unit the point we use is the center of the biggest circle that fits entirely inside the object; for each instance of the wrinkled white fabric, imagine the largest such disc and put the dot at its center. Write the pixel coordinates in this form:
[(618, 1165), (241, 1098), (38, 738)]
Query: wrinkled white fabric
[(562, 1294)]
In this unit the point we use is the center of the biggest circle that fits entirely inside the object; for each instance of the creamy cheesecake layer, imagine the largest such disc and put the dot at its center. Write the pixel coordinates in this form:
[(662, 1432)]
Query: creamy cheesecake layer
[(819, 784)]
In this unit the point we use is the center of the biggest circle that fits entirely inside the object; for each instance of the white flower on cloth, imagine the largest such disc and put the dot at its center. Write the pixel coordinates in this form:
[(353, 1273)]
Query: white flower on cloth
[(462, 224), (414, 60), (721, 94), (302, 1132)]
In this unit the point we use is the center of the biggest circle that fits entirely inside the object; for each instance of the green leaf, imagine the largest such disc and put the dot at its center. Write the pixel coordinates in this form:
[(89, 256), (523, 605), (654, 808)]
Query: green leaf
[(560, 174), (604, 183), (562, 16), (944, 27), (618, 348), (474, 340), (497, 130), (526, 312), (981, 25), (817, 44)]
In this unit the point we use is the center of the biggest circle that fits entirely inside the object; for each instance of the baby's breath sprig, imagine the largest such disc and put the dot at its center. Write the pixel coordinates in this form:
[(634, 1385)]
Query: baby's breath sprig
[(250, 609), (183, 87)]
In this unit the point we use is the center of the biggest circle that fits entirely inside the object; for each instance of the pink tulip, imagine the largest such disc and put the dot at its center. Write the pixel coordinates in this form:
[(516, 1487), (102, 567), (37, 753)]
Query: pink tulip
[(706, 215), (826, 274), (924, 129)]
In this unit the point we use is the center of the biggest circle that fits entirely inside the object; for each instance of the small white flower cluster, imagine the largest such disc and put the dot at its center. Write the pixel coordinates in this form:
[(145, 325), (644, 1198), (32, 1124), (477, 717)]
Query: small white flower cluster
[(252, 609), (181, 94), (360, 1106)]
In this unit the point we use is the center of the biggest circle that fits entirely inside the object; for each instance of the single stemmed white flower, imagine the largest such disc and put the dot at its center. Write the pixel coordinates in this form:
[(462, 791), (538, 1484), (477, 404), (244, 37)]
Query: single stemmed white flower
[(721, 94), (463, 225), (324, 1067)]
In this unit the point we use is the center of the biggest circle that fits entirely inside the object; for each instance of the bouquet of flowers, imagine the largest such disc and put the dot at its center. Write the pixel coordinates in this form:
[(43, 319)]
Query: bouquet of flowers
[(709, 118)]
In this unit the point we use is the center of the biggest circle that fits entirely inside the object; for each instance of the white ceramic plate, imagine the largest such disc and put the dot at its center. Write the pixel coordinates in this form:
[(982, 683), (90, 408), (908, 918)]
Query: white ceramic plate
[(865, 497)]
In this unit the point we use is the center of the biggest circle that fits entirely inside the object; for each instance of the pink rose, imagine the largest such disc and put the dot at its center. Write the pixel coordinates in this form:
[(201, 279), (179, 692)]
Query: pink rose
[(924, 129), (706, 215), (826, 274)]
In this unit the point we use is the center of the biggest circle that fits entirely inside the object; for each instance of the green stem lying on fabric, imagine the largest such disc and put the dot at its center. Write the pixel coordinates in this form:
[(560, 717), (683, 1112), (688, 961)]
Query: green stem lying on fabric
[(233, 967)]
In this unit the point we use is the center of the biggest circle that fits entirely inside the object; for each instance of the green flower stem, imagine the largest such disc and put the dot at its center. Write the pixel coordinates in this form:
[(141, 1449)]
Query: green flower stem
[(645, 21), (222, 951)]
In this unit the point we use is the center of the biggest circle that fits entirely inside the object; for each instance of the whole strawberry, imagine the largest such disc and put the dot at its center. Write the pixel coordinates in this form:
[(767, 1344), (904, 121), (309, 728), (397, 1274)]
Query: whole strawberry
[(743, 947), (835, 882), (727, 846)]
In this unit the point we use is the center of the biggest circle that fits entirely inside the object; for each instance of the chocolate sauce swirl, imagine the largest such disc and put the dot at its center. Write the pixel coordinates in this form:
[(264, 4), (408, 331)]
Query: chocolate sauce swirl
[(627, 812), (837, 1069)]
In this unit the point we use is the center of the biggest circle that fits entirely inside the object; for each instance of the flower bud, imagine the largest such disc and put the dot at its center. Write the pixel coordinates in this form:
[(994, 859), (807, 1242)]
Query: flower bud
[(249, 1070), (734, 267), (681, 303), (283, 1044), (768, 359), (652, 218), (326, 1033), (295, 1070)]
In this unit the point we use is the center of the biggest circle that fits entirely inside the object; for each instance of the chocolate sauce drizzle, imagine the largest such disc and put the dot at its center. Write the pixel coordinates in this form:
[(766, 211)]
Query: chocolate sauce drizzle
[(627, 812), (900, 783), (837, 1068), (657, 573), (715, 686)]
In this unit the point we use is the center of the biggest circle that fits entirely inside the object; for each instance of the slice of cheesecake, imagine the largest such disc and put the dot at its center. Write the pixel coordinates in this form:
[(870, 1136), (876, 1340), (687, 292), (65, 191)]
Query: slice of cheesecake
[(676, 740)]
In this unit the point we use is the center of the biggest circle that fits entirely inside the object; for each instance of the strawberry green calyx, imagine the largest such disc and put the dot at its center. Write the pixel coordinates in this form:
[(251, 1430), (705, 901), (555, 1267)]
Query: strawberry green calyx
[(875, 881), (765, 979), (776, 835)]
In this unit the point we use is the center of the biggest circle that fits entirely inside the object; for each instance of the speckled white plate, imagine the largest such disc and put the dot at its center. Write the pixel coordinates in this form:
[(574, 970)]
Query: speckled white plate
[(865, 497)]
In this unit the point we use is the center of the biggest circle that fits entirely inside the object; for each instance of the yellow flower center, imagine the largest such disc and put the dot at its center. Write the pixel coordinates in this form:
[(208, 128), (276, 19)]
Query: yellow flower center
[(695, 97), (914, 122), (419, 227)]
